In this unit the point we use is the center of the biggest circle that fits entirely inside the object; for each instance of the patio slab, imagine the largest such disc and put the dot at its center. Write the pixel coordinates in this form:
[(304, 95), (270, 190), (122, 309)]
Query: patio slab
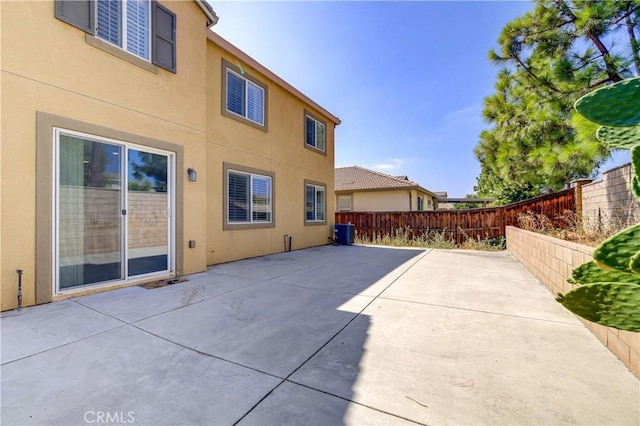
[(292, 404), (329, 335), (134, 377), (40, 328), (271, 327), (134, 303), (481, 281), (440, 365)]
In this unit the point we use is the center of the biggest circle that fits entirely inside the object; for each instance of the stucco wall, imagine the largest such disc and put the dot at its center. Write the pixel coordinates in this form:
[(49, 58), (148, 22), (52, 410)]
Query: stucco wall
[(387, 201), (280, 150), (609, 202), (381, 201), (551, 261), (53, 75), (48, 67)]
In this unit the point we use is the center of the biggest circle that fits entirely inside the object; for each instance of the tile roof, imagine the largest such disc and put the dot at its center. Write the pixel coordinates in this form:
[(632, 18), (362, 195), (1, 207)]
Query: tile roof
[(357, 178)]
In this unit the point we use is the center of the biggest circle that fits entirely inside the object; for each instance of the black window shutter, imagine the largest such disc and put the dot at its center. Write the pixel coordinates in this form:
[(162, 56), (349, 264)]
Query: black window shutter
[(164, 38), (79, 13)]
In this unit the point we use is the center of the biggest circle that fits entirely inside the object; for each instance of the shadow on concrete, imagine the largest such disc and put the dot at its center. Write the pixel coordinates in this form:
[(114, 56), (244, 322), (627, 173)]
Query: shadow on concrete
[(223, 355)]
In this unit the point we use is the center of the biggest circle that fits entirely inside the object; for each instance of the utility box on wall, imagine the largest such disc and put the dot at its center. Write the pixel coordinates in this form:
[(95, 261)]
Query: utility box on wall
[(345, 234)]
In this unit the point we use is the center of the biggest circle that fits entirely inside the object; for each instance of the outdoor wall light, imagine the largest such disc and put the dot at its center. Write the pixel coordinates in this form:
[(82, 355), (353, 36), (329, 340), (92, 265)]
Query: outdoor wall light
[(193, 175)]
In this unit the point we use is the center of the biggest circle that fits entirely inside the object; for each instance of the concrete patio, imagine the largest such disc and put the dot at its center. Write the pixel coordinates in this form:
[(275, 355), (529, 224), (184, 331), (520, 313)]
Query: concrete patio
[(324, 336)]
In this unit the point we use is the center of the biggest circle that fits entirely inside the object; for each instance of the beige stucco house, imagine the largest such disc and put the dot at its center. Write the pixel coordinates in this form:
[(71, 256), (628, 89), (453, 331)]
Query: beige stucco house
[(363, 190), (137, 145)]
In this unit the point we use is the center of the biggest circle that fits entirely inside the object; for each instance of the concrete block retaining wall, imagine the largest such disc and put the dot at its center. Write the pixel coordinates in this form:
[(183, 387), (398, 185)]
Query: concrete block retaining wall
[(609, 202), (551, 260)]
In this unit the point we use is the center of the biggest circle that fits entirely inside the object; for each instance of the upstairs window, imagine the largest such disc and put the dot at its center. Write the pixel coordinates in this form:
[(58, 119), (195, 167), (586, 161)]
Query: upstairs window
[(127, 24), (244, 97), (315, 203), (314, 132), (142, 28)]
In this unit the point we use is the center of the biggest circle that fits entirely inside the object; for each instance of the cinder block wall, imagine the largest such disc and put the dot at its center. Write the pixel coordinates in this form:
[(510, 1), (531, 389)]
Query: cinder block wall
[(609, 202), (551, 261)]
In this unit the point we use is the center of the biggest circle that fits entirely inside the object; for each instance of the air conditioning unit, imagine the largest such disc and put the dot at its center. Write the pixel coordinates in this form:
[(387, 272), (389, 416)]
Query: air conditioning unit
[(345, 234)]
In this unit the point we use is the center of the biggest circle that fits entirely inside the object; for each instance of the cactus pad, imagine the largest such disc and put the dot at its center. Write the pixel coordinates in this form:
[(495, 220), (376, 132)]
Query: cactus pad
[(635, 161), (619, 137), (634, 264), (610, 304), (589, 273), (616, 105), (616, 251)]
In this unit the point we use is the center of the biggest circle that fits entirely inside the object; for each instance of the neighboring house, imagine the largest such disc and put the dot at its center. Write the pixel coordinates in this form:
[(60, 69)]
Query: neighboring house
[(139, 145), (446, 203), (363, 190)]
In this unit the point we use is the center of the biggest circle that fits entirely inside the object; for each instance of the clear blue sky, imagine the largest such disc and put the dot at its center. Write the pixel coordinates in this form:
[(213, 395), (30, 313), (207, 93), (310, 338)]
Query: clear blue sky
[(407, 79)]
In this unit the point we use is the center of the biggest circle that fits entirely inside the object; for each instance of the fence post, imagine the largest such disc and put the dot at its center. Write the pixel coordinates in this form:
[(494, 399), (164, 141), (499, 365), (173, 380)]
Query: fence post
[(578, 184)]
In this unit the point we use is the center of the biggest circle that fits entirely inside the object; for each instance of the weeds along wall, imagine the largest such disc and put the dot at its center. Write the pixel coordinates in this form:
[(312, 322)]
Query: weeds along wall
[(609, 203)]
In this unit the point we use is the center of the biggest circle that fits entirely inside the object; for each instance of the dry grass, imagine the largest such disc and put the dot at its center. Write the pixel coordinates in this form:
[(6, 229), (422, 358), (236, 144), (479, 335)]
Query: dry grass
[(569, 227), (405, 237)]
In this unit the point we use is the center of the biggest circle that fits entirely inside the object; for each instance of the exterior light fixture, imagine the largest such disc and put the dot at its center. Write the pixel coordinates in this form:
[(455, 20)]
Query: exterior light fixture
[(193, 175)]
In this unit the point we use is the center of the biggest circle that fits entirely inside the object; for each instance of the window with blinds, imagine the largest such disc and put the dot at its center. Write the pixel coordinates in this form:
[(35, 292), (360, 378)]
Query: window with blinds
[(245, 98), (125, 23), (315, 133), (315, 203), (249, 198), (143, 28)]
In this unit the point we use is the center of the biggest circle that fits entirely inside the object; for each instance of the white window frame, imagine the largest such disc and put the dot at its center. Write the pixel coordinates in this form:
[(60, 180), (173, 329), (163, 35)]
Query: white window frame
[(317, 188), (247, 82), (251, 176), (420, 203), (317, 123), (124, 29), (55, 208)]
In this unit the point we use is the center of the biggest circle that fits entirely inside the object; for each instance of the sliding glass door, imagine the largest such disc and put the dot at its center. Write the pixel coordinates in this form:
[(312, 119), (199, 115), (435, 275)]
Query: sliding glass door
[(104, 232), (147, 212)]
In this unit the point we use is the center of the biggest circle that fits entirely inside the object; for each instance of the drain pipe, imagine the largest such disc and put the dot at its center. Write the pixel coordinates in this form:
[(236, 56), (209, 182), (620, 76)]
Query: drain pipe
[(19, 271)]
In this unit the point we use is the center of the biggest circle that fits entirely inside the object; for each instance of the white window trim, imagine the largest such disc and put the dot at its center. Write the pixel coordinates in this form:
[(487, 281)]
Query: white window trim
[(124, 26), (317, 188), (251, 177), (246, 98), (55, 235)]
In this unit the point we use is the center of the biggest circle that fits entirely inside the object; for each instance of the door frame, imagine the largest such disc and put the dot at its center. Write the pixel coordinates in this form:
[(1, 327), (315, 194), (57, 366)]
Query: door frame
[(49, 126)]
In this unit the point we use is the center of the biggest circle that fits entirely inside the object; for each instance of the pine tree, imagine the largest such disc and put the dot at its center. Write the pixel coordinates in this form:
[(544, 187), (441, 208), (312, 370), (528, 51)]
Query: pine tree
[(550, 57)]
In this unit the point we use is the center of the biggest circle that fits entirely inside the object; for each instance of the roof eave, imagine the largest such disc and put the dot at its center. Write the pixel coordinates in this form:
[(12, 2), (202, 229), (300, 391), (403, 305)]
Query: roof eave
[(212, 18), (230, 48)]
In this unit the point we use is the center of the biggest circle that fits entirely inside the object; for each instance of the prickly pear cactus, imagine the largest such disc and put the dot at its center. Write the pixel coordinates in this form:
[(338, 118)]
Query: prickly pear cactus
[(635, 160), (609, 291), (612, 304), (616, 252), (634, 264), (590, 272), (612, 105), (619, 137)]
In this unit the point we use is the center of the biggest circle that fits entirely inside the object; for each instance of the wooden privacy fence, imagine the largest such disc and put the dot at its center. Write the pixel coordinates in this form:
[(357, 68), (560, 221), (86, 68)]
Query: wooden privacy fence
[(460, 224)]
